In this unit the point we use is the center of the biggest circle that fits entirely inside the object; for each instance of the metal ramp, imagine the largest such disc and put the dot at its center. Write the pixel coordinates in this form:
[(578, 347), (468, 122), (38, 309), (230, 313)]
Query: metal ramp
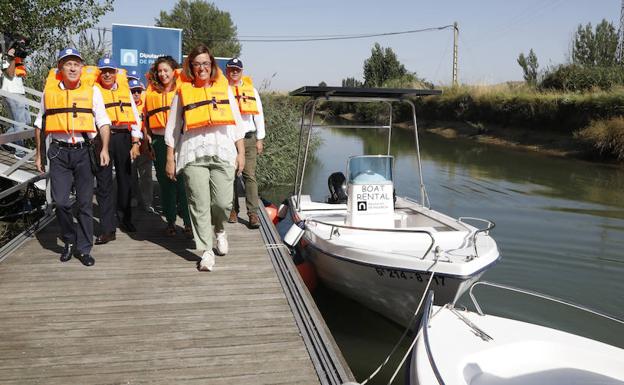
[(21, 171)]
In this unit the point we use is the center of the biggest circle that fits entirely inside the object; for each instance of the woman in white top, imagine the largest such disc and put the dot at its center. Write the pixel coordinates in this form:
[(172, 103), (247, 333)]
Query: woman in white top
[(204, 137)]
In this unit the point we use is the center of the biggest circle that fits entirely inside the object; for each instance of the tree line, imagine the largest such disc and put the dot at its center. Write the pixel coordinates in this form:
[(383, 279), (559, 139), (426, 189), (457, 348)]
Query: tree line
[(593, 62)]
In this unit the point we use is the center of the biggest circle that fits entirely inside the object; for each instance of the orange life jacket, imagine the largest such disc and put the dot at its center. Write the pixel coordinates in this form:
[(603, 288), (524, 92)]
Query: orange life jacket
[(157, 106), (246, 97), (117, 103), (206, 106), (20, 68), (68, 111)]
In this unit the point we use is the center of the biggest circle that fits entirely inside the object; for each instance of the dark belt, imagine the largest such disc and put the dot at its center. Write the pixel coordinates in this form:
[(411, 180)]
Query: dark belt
[(70, 145), (119, 130), (250, 134)]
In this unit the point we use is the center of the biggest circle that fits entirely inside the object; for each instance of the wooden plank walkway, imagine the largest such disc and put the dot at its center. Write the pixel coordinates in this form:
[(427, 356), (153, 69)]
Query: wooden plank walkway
[(144, 314)]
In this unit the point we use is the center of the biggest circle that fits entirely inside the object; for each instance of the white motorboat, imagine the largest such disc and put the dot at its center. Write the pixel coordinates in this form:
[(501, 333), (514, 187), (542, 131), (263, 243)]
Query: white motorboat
[(460, 347), (380, 250)]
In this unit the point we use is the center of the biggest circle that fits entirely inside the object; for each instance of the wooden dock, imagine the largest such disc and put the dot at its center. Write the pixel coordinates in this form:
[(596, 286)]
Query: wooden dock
[(144, 314)]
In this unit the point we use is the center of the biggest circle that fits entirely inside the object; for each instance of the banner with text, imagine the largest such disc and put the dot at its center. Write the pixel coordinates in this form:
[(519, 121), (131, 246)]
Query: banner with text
[(137, 47)]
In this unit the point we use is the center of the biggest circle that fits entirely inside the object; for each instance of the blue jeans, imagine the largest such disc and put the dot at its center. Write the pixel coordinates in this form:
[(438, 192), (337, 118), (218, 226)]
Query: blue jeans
[(19, 113)]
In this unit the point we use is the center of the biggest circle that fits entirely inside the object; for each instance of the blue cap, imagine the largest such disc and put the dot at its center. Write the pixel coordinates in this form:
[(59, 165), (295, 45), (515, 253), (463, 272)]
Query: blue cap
[(235, 62), (134, 74), (107, 63), (133, 83), (65, 52)]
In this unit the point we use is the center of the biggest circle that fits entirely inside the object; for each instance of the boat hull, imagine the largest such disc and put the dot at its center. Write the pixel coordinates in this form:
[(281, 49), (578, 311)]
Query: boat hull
[(393, 292), (515, 352)]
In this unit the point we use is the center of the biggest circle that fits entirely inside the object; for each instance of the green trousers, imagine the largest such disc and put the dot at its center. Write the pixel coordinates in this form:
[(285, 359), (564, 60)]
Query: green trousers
[(172, 194), (209, 189), (249, 176)]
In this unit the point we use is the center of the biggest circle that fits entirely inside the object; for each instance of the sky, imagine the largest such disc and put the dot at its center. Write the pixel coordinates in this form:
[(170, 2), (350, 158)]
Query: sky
[(492, 33)]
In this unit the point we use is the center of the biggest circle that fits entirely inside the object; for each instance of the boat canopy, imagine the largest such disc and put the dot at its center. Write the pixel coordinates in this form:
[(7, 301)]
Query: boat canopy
[(356, 95)]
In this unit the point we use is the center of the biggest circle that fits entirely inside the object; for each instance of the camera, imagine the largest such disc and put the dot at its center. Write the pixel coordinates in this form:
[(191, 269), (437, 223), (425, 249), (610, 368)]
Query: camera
[(17, 42)]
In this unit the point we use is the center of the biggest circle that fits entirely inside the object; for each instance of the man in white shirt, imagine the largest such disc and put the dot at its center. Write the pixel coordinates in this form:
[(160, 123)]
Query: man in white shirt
[(68, 153), (250, 106), (14, 84)]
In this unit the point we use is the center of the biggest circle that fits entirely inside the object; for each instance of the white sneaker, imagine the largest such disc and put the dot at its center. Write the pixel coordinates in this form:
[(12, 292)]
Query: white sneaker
[(222, 243), (207, 262)]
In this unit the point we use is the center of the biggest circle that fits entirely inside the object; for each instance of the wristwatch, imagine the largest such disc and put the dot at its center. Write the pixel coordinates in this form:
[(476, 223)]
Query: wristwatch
[(137, 142)]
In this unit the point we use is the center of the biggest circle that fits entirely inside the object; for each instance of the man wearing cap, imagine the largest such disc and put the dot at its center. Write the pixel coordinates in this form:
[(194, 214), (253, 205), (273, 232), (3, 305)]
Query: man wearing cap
[(250, 108), (125, 133), (142, 184), (72, 112)]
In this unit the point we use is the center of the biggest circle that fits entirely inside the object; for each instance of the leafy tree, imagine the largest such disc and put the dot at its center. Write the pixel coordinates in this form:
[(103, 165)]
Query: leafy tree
[(351, 82), (46, 22), (529, 66), (322, 84), (381, 66), (595, 48), (202, 22)]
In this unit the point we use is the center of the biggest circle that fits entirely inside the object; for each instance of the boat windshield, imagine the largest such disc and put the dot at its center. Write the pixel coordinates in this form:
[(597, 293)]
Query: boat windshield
[(368, 169)]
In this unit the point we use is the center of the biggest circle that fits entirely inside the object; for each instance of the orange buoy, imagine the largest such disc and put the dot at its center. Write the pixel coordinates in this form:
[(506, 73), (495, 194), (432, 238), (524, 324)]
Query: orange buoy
[(272, 211), (308, 274)]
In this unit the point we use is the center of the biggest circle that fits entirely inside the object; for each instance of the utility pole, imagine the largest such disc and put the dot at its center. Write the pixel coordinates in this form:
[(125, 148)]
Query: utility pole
[(619, 53), (455, 35)]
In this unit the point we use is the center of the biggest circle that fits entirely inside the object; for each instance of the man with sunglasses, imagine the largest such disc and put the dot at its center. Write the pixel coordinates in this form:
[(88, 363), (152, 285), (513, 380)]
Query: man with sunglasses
[(142, 184), (125, 134)]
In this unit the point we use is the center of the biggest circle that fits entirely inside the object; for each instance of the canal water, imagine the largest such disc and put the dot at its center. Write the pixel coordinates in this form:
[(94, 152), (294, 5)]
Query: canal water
[(559, 228)]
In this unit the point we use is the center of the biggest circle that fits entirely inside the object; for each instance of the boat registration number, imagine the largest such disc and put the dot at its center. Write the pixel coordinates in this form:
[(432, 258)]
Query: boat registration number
[(408, 275)]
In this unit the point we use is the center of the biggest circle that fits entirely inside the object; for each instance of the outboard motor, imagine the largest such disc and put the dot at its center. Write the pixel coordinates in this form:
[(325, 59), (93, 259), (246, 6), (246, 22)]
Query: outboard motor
[(337, 184)]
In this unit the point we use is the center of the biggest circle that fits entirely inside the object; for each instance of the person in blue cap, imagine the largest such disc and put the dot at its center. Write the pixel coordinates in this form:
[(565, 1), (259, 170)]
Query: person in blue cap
[(250, 107), (125, 134), (133, 75), (142, 183), (72, 113)]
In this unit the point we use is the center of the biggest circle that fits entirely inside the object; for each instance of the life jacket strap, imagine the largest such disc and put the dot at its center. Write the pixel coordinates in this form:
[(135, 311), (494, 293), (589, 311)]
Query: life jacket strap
[(157, 110), (213, 101), (75, 110), (119, 104)]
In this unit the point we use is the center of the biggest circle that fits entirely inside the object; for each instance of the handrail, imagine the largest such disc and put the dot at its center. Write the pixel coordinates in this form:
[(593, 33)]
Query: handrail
[(425, 326), (20, 98), (490, 226), (34, 92), (539, 295), (333, 225)]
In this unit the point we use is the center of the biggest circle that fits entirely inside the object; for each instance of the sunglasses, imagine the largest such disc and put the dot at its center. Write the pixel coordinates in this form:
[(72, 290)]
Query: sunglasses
[(136, 91)]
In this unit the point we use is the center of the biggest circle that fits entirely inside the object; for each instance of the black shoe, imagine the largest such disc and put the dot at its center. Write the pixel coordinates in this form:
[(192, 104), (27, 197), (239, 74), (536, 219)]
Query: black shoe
[(86, 259), (67, 252), (128, 227), (105, 238)]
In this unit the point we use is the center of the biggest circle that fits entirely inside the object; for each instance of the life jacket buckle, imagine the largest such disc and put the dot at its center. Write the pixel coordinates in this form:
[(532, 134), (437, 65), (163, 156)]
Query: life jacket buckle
[(214, 103)]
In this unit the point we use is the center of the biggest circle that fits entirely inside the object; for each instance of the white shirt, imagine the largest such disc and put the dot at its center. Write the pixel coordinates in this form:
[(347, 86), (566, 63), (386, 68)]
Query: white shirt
[(14, 85), (255, 122), (202, 141), (100, 117)]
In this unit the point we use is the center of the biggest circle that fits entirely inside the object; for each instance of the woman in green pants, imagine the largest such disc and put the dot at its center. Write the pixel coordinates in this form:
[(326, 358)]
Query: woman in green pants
[(163, 78)]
